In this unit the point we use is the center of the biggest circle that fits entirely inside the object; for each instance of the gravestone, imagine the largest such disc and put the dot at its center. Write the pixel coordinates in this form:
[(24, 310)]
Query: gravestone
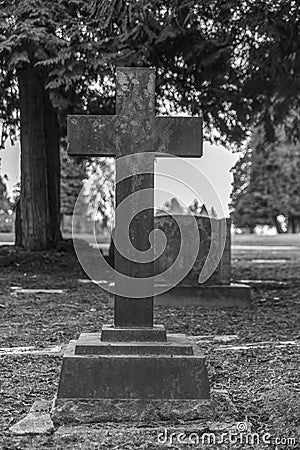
[(173, 226), (217, 290), (133, 370)]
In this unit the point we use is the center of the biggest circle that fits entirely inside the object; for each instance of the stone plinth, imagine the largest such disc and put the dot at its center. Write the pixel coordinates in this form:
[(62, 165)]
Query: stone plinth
[(131, 380), (91, 344), (84, 411), (113, 334)]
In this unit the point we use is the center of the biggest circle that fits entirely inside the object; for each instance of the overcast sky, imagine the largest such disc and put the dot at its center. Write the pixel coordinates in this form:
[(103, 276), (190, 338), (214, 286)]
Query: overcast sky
[(188, 184)]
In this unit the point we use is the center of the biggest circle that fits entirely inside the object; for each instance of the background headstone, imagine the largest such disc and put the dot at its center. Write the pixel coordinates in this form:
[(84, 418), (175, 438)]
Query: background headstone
[(168, 224)]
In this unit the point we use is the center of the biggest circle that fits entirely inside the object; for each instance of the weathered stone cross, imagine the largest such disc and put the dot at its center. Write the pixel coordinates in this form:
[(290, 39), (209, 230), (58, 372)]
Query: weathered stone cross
[(134, 129)]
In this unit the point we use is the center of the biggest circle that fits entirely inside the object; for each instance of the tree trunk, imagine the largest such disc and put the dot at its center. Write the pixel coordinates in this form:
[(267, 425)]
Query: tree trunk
[(277, 225), (297, 225), (52, 146), (291, 224), (34, 212), (38, 221), (18, 225)]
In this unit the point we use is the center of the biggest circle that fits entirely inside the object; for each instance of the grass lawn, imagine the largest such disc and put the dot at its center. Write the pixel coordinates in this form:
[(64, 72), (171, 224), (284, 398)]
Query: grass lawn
[(257, 385)]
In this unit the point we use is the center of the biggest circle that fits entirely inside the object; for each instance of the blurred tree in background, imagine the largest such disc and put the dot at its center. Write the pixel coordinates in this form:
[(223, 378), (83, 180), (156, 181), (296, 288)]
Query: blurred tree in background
[(100, 190), (72, 175), (195, 206), (6, 208), (267, 184), (4, 201)]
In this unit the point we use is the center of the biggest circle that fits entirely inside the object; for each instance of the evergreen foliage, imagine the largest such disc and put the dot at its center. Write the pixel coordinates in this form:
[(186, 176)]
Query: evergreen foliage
[(229, 60), (267, 183)]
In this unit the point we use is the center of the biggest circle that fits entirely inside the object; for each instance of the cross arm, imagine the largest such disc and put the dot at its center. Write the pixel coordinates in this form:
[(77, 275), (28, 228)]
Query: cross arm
[(91, 135), (180, 136)]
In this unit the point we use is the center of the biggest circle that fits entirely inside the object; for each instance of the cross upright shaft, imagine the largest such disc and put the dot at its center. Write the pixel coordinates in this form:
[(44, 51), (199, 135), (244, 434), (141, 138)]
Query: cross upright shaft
[(134, 129), (135, 110)]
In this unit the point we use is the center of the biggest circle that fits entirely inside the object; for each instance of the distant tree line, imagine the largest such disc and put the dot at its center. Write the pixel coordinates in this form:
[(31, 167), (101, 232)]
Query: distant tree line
[(266, 185), (173, 206)]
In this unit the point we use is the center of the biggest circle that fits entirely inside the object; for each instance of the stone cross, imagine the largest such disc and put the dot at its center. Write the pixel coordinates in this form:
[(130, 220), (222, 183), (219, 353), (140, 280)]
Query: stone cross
[(134, 129)]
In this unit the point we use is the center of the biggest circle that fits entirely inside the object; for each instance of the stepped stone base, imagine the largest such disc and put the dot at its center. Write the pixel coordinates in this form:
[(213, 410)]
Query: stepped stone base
[(129, 380), (72, 411)]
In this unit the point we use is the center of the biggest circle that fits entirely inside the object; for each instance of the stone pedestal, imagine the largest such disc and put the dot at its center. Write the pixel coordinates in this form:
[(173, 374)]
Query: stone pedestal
[(132, 374)]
